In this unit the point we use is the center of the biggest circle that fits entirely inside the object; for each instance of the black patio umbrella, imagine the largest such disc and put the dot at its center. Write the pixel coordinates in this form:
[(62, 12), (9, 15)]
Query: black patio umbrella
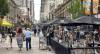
[(89, 20), (85, 20), (75, 24), (43, 24), (51, 21), (62, 21), (47, 23)]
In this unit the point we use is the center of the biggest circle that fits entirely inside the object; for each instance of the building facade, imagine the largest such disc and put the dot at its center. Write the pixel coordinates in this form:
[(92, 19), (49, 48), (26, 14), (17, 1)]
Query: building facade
[(42, 16), (61, 11), (14, 11), (46, 7), (51, 9), (71, 9), (30, 8), (27, 10)]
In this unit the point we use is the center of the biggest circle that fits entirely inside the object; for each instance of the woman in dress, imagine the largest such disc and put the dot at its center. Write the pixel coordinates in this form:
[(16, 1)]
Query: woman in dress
[(19, 37)]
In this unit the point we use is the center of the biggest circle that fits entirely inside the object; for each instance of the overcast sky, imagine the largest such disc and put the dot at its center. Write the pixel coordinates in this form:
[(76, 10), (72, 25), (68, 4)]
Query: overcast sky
[(37, 4)]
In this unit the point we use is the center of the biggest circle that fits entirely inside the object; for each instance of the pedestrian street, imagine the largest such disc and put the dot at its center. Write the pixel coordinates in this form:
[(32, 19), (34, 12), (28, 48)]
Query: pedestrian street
[(15, 50)]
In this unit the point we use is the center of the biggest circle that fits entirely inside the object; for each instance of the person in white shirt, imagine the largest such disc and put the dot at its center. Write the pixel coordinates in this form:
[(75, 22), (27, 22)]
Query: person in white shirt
[(28, 35), (7, 42)]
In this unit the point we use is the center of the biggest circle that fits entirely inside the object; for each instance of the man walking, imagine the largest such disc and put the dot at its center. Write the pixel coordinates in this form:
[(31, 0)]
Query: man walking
[(28, 39)]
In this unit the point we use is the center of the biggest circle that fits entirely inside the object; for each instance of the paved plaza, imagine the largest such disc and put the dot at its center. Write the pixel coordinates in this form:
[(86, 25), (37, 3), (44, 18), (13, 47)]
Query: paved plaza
[(15, 49)]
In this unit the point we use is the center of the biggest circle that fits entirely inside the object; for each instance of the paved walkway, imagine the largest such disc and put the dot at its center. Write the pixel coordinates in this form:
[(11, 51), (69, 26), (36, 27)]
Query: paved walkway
[(15, 49)]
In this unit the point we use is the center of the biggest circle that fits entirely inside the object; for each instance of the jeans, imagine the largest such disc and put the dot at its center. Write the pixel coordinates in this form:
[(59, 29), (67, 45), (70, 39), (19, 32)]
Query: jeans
[(28, 43)]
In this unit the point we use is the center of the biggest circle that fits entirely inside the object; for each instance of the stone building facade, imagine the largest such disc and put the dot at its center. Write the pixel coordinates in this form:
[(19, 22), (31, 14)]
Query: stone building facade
[(14, 11), (51, 9)]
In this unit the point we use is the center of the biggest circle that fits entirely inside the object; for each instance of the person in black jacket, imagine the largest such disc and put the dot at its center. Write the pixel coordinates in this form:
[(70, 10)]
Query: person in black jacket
[(51, 34), (35, 31), (11, 35), (3, 34)]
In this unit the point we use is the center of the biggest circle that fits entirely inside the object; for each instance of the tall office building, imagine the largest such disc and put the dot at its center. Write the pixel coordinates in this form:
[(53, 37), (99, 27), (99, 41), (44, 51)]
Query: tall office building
[(31, 11), (27, 8)]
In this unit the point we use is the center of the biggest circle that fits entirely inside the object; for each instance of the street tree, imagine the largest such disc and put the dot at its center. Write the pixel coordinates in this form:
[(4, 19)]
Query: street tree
[(4, 8), (75, 8)]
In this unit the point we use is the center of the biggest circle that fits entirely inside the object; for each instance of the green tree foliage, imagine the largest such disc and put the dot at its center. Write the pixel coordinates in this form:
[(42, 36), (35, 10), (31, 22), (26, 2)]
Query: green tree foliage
[(4, 8), (75, 8)]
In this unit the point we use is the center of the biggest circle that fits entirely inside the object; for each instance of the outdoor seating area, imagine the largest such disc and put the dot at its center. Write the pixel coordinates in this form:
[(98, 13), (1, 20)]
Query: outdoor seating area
[(73, 36)]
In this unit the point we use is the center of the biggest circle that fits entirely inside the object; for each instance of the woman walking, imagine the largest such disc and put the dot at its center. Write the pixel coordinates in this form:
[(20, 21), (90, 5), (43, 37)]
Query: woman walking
[(19, 37), (7, 42)]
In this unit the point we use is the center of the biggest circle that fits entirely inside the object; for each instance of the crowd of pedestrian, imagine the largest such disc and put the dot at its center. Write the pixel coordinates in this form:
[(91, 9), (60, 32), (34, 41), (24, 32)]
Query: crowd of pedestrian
[(25, 34), (20, 34)]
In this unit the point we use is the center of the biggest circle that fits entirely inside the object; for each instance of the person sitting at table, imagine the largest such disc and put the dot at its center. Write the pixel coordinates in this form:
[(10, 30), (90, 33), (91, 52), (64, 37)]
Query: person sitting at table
[(61, 33), (71, 37), (87, 40)]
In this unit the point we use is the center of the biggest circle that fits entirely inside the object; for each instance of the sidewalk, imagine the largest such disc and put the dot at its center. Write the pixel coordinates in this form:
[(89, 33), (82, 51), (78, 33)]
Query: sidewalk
[(34, 50)]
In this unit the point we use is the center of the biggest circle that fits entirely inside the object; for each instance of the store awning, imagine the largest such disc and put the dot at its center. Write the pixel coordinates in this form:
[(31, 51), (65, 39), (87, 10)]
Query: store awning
[(84, 20), (6, 23)]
